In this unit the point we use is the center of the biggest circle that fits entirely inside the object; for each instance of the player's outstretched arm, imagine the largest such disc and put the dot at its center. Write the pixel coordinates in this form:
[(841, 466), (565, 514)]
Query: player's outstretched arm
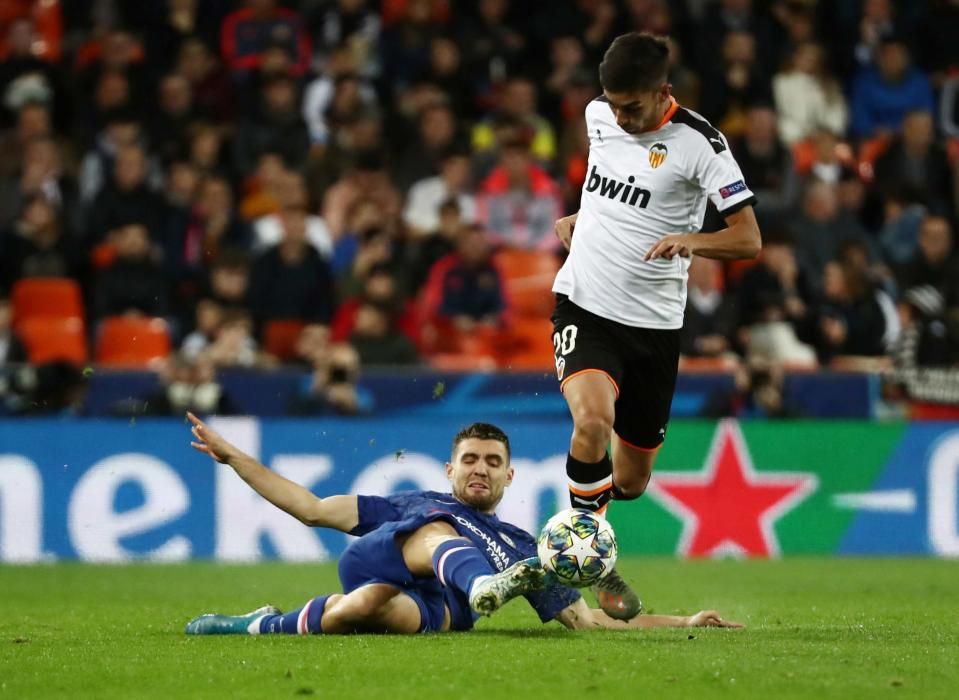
[(579, 616), (337, 512), (740, 239)]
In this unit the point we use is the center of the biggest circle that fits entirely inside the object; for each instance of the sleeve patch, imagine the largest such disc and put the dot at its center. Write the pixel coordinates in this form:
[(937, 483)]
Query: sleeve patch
[(730, 190)]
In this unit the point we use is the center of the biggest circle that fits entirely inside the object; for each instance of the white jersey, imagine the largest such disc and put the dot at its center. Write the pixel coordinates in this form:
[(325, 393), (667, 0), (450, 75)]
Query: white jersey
[(640, 188)]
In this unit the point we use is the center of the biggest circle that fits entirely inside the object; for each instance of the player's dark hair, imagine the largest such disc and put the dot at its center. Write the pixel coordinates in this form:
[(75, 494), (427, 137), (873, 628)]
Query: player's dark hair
[(481, 431), (634, 61)]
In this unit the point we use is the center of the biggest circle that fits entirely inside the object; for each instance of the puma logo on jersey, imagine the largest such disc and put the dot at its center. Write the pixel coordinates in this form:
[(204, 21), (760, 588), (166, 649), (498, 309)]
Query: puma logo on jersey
[(625, 192)]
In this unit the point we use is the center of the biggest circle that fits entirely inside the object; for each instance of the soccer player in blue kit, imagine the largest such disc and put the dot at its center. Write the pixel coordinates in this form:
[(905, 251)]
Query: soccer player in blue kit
[(424, 561)]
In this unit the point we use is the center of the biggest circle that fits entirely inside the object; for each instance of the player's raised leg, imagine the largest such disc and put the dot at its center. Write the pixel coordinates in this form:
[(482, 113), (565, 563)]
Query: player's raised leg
[(591, 397), (458, 564), (632, 468)]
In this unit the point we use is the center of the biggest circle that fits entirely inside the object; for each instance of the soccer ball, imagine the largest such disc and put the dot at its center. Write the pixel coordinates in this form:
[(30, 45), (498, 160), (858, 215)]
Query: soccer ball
[(578, 546)]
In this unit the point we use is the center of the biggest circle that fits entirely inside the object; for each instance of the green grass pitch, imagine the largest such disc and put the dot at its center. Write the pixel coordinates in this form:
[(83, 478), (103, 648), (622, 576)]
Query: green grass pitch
[(826, 628)]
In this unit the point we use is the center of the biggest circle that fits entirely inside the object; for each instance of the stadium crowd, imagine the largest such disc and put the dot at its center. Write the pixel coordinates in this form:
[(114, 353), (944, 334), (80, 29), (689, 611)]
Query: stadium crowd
[(346, 183)]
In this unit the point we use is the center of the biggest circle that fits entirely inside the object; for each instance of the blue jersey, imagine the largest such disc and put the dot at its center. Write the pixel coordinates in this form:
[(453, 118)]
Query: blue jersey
[(503, 544)]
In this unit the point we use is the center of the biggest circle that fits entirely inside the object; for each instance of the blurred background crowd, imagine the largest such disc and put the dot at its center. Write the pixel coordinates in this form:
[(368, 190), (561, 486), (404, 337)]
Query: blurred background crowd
[(188, 185)]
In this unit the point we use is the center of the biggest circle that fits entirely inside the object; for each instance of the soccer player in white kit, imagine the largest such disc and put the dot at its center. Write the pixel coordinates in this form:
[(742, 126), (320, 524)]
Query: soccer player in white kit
[(622, 291)]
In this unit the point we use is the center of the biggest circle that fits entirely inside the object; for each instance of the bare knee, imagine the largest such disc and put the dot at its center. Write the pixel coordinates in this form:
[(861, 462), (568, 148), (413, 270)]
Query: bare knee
[(592, 427), (630, 489)]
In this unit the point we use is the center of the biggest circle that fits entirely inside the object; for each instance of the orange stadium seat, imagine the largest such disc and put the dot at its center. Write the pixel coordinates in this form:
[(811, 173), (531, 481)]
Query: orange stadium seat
[(132, 341), (528, 277), (51, 297), (49, 339), (279, 337), (528, 345)]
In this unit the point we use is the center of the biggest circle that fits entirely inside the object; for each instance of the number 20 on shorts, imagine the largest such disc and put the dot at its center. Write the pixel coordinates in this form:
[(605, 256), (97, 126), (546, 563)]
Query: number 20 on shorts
[(564, 341)]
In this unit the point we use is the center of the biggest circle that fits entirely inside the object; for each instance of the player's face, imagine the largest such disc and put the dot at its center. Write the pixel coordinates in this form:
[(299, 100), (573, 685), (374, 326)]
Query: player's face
[(480, 473), (639, 110)]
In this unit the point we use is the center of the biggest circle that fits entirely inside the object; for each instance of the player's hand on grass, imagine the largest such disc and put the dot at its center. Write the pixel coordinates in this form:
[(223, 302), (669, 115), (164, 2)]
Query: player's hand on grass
[(210, 442), (564, 230), (671, 246), (711, 618)]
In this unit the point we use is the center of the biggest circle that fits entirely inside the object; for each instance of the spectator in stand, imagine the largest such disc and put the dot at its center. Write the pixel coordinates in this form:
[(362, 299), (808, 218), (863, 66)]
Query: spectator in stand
[(24, 76), (934, 263), (127, 197), (32, 122), (259, 187), (491, 44), (687, 86), (332, 387), (278, 127), (519, 202), (171, 24), (903, 212), (367, 179), (775, 305), (517, 102), (229, 280), (173, 116), (883, 95), (209, 226), (41, 171), (708, 320), (121, 129), (915, 161), (206, 323), (339, 156), (188, 384), (213, 225), (447, 72), (290, 192), (377, 340), (735, 16), (209, 83), (380, 289), (135, 282), (422, 212), (852, 318), (436, 135), (12, 349), (567, 58), (312, 346), (334, 101), (354, 24), (111, 70), (405, 44), (423, 252), (249, 31), (291, 280), (465, 289), (808, 97), (820, 228), (732, 83), (766, 164), (206, 150), (234, 345), (36, 246)]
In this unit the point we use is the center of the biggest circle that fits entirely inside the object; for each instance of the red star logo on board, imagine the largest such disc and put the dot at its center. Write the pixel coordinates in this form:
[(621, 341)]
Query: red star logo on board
[(728, 507)]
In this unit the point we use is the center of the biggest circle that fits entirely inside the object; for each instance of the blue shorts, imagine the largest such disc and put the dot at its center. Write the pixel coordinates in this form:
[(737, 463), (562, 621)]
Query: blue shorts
[(375, 558)]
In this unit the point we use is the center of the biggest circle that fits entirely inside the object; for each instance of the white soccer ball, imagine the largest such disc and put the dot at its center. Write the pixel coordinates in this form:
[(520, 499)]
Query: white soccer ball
[(577, 546)]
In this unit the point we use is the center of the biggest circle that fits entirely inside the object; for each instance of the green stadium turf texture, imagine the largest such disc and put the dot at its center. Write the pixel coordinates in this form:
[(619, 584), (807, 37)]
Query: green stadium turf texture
[(817, 628)]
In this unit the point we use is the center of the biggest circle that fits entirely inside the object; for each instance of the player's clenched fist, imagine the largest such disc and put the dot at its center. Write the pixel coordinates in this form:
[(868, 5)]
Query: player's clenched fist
[(564, 230)]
